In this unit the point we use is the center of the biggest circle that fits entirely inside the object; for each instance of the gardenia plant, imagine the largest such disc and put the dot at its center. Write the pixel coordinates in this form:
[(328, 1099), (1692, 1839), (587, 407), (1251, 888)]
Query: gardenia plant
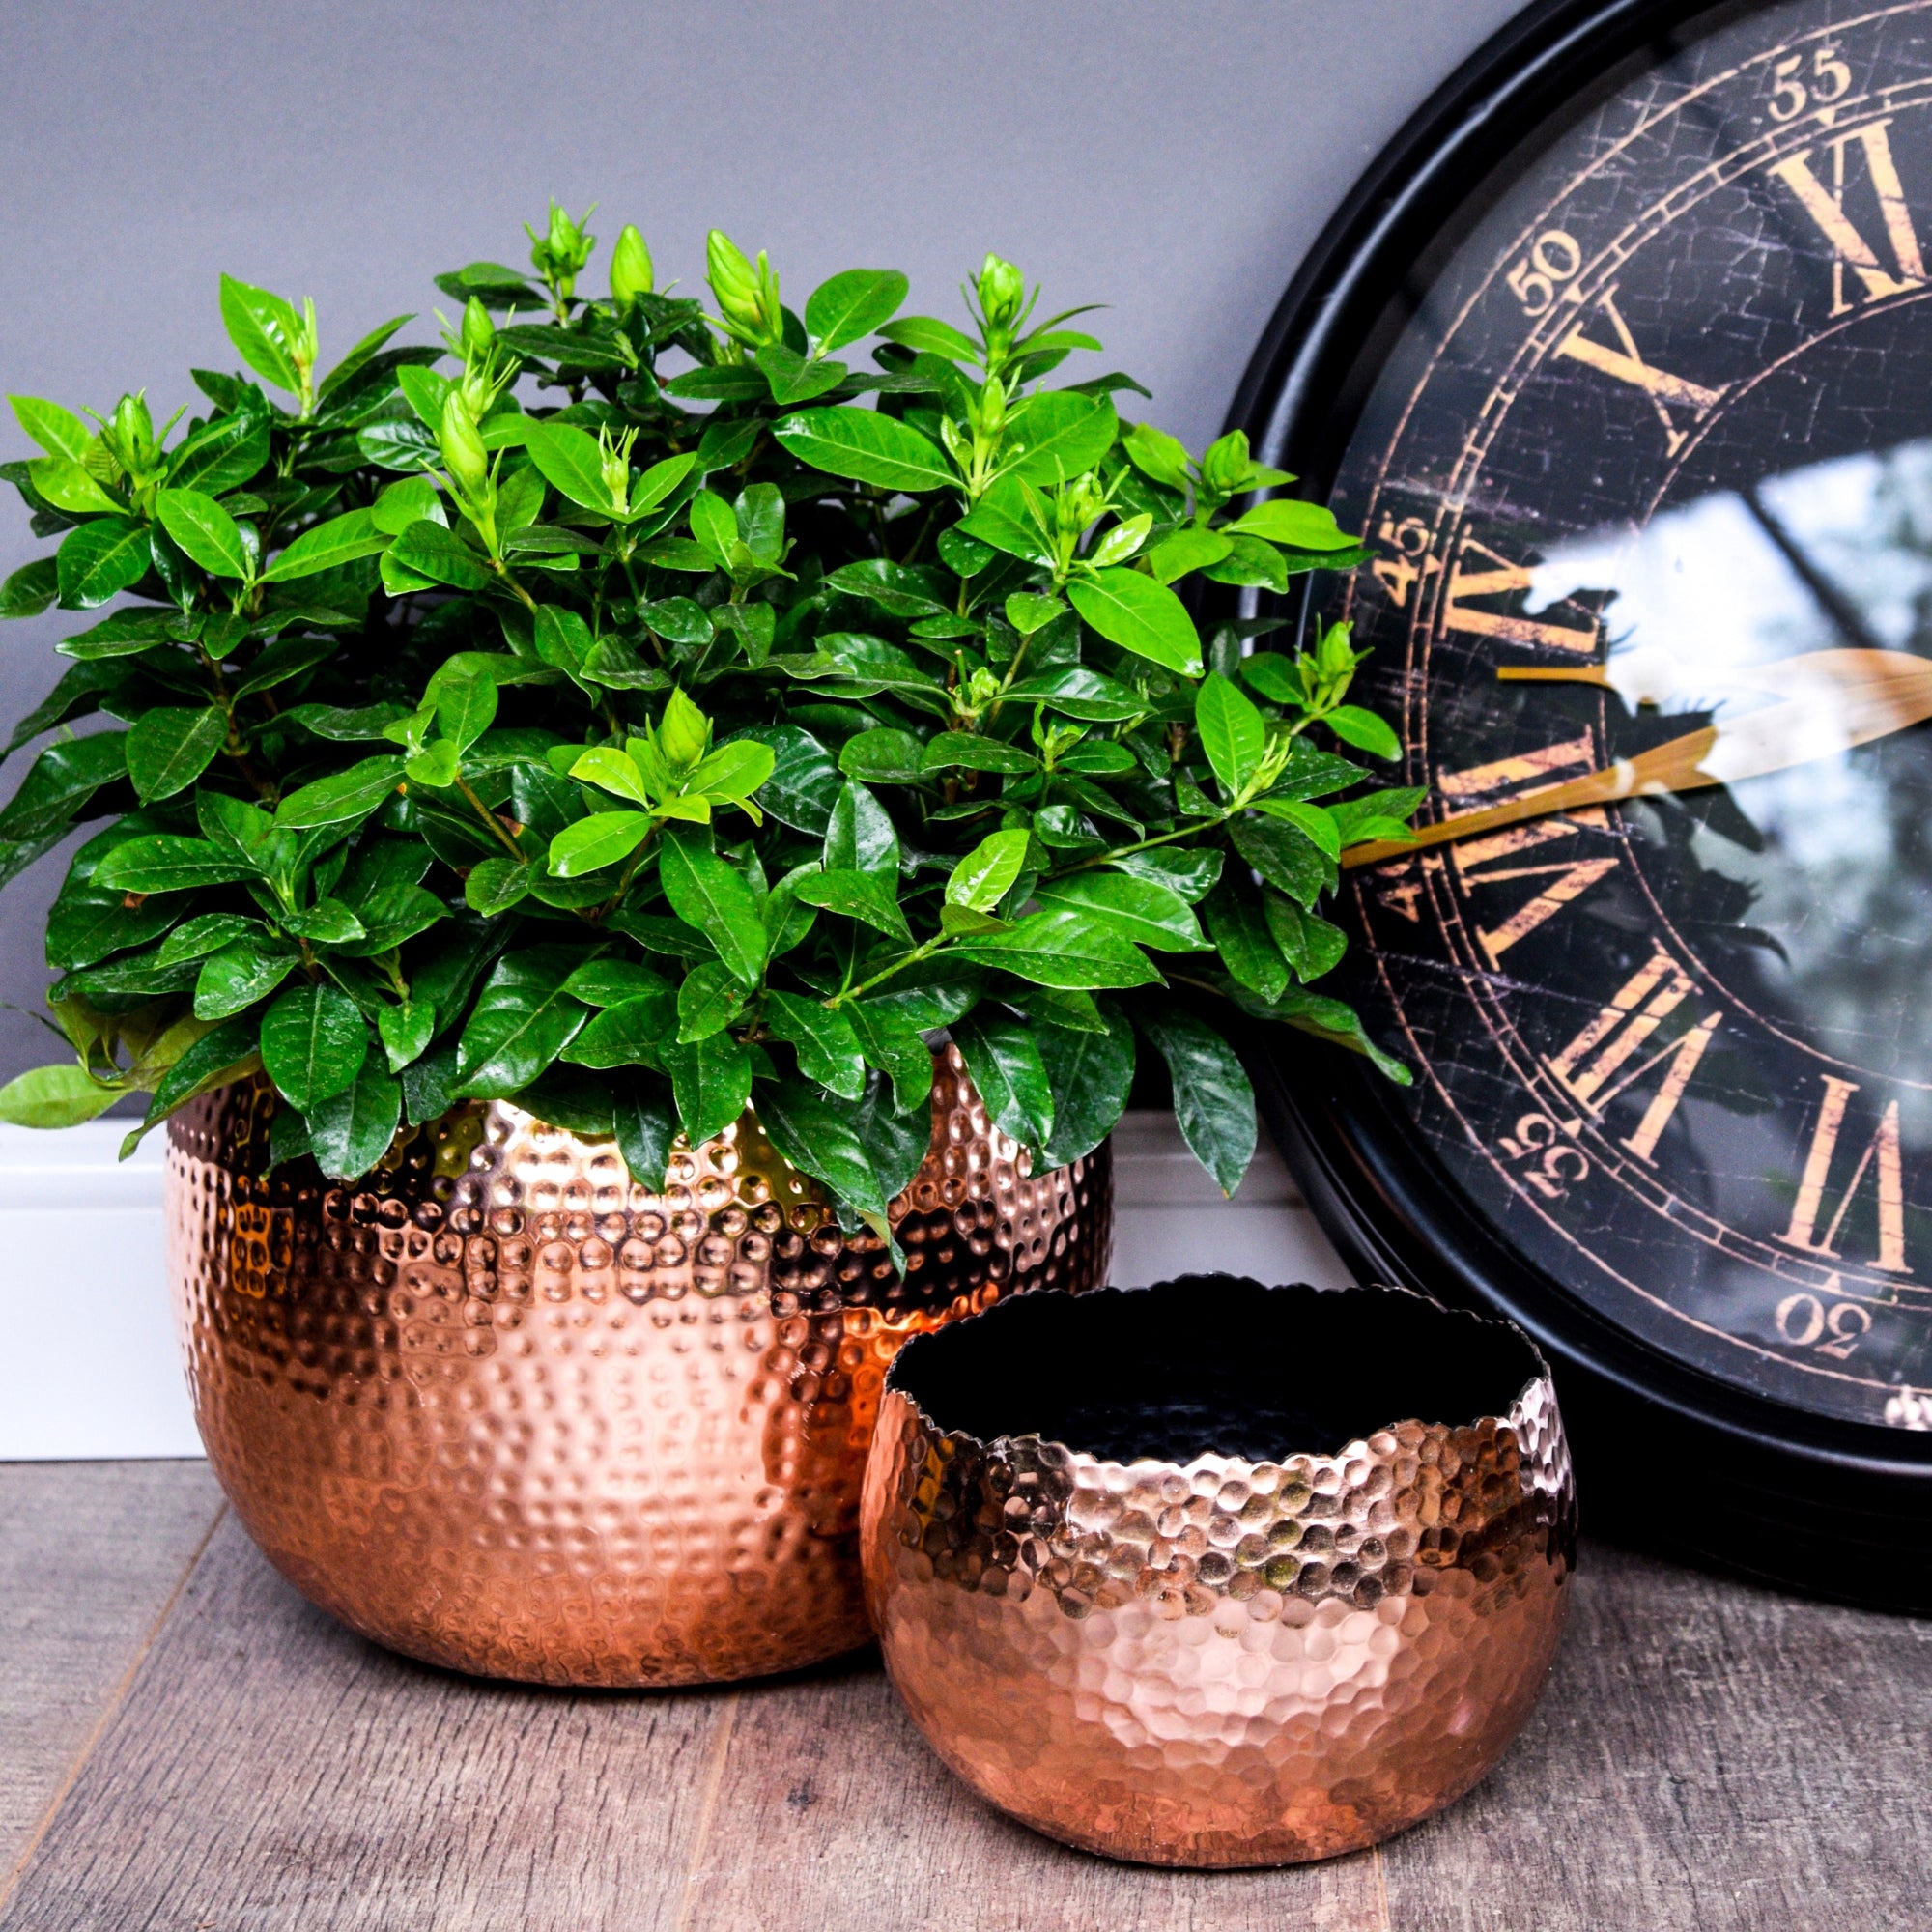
[(636, 711)]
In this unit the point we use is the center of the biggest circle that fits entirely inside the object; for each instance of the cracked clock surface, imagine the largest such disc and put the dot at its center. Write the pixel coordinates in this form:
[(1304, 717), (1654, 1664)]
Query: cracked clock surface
[(1638, 420)]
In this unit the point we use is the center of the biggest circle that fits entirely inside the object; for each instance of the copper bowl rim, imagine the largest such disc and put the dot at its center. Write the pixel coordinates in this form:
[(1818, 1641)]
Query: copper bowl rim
[(1000, 1311)]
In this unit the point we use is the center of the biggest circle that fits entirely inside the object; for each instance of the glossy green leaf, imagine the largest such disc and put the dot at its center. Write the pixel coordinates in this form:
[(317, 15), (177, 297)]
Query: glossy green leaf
[(708, 1001), (60, 782), (571, 462), (819, 1140), (1004, 519), (980, 880), (882, 757), (208, 536), (868, 896), (632, 1032), (1283, 519), (1242, 937), (1315, 821), (1004, 1060), (1307, 942), (522, 1020), (792, 377), (1089, 1073), (1141, 615), (328, 546), (88, 921), (1061, 948), (168, 863), (1138, 909), (602, 839), (430, 552), (611, 770), (1188, 549), (733, 771), (168, 748), (711, 1080), (891, 1041), (67, 487), (896, 590), (708, 895), (867, 449), (264, 329), (1364, 730), (1232, 731), (853, 306), (1213, 1103), (828, 1048), (466, 707), (344, 798), (1079, 693), (966, 750), (312, 1043), (860, 836), (224, 1053), (896, 1136), (1285, 856), (223, 455), (99, 560), (934, 337), (1059, 434), (360, 357), (406, 1032), (57, 431), (350, 1131), (237, 975), (31, 589), (646, 1125), (62, 1095), (803, 785)]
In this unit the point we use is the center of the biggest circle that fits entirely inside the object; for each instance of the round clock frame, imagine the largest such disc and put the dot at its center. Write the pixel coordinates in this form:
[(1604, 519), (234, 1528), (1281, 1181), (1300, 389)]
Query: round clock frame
[(1670, 1456)]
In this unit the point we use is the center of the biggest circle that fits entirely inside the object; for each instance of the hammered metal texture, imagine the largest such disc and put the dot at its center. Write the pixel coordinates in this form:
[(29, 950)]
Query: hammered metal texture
[(1222, 1663), (499, 1408)]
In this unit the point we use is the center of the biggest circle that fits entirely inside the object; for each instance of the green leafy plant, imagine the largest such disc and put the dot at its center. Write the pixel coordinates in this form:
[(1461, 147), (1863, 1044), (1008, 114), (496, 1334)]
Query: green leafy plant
[(518, 718)]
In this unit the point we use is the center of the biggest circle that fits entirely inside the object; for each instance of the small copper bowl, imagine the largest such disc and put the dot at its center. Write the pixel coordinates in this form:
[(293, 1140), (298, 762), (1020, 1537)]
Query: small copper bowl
[(1159, 1573)]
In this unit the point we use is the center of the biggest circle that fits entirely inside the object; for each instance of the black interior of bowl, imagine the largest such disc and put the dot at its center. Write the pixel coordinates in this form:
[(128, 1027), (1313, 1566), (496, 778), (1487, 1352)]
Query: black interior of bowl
[(1212, 1365)]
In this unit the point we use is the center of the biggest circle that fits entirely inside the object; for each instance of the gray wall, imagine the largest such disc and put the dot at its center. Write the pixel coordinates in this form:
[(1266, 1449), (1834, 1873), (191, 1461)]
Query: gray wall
[(1171, 159)]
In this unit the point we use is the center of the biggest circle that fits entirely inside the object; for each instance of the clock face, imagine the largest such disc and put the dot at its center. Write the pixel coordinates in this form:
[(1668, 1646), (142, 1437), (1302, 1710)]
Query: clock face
[(1648, 471)]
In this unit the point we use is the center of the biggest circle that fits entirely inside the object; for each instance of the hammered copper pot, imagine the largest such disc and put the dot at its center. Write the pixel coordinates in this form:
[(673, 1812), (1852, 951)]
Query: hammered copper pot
[(1211, 1574), (501, 1410)]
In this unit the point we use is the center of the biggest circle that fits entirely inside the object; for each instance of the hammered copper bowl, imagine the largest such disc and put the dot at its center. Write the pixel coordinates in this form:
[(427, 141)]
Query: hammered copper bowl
[(499, 1408), (1182, 1575)]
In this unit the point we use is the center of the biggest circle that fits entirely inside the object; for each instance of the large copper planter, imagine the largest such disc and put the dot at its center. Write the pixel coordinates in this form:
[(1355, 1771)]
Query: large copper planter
[(1149, 1578), (502, 1410)]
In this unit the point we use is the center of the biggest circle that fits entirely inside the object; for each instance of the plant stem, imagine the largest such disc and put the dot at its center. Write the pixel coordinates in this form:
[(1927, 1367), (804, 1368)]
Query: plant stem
[(489, 817), (912, 958)]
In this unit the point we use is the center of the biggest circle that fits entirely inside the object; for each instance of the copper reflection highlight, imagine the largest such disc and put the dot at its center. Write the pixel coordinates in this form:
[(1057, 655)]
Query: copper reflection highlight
[(502, 1410), (1222, 1663)]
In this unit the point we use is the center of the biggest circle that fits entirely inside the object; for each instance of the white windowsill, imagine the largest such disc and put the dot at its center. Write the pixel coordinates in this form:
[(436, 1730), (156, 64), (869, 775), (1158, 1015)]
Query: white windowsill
[(89, 1366)]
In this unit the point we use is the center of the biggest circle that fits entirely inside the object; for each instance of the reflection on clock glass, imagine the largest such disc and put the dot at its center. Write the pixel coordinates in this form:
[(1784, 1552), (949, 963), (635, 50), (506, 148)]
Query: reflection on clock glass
[(1648, 474)]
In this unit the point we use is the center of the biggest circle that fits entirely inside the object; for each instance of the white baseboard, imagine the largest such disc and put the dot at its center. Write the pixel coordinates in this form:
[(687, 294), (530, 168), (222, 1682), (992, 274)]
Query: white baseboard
[(88, 1361)]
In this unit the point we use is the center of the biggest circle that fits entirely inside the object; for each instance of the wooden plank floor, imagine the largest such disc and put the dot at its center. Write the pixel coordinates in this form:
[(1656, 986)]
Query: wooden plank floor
[(185, 1743)]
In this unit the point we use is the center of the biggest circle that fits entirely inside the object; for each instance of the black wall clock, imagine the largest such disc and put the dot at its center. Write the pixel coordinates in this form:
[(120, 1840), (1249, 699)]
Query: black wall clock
[(1622, 359)]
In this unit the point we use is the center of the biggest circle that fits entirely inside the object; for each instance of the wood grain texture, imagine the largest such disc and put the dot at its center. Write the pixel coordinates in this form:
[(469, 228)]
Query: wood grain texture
[(90, 1553), (269, 1771), (833, 1816), (1710, 1757)]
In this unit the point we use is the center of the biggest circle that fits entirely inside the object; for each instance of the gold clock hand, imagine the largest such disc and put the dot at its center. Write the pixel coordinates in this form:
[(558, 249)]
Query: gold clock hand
[(1828, 701)]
